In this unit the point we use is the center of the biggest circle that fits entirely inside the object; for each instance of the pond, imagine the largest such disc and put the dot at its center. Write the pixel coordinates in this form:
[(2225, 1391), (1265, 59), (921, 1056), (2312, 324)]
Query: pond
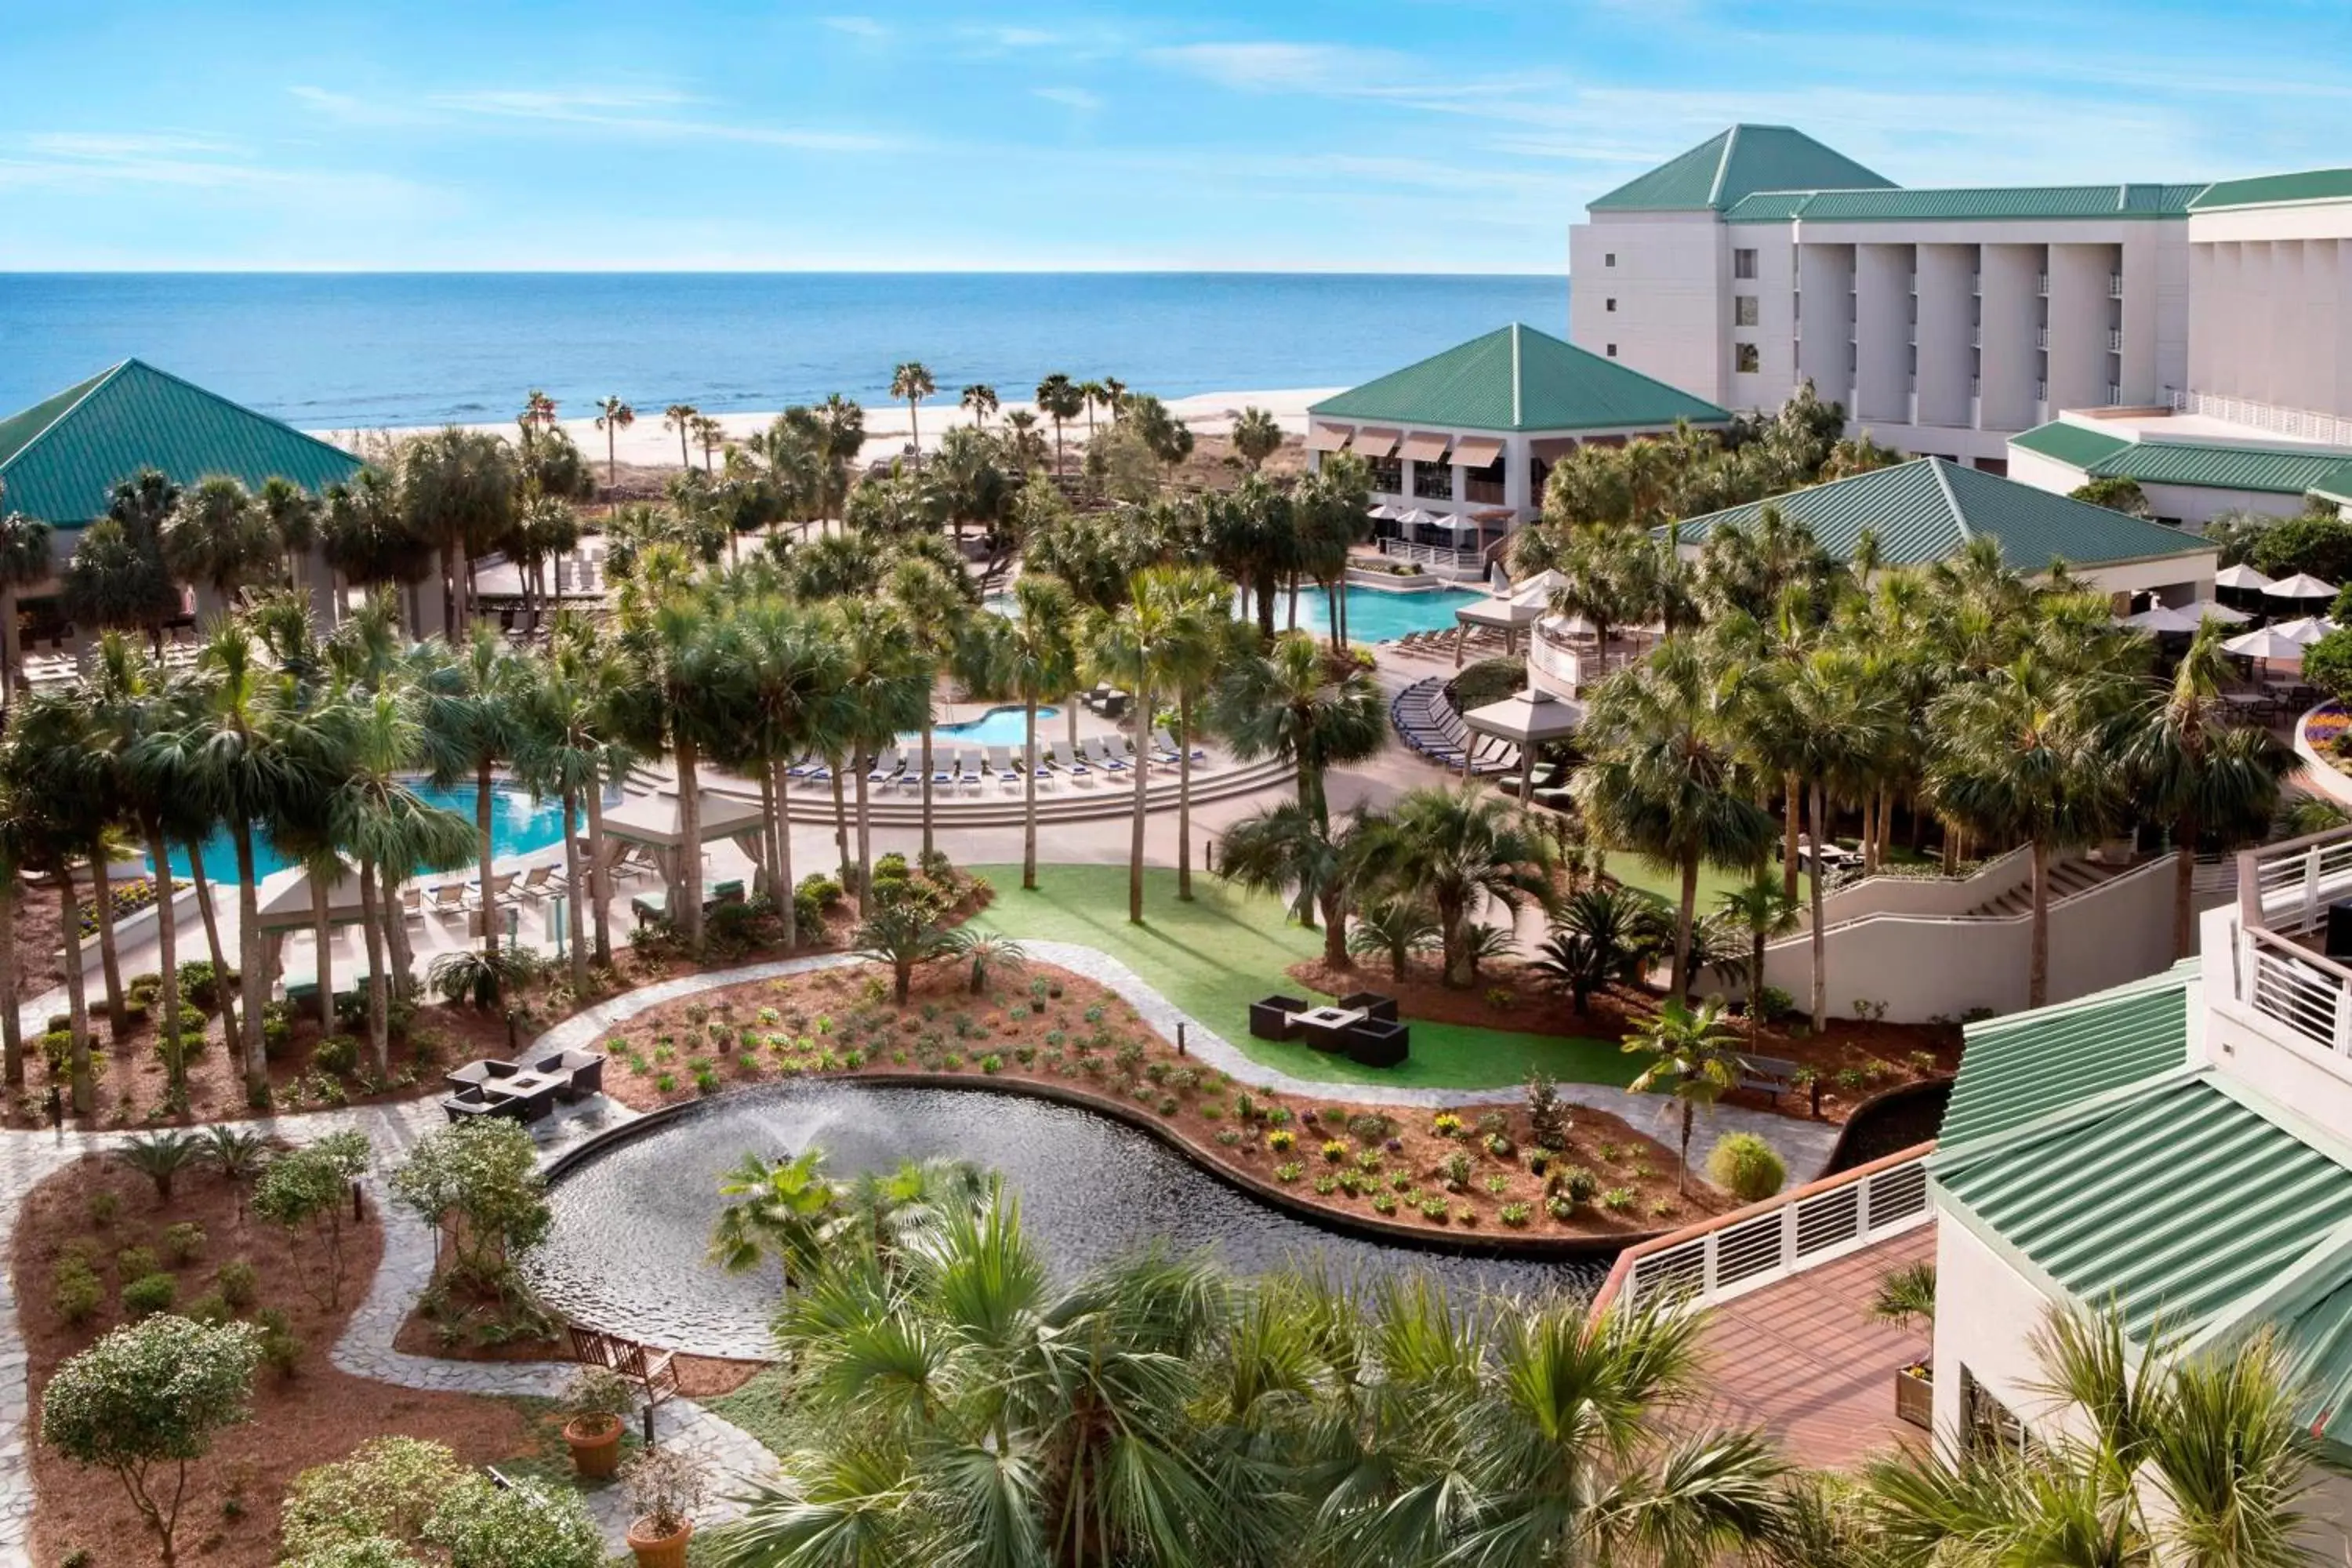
[(631, 1223)]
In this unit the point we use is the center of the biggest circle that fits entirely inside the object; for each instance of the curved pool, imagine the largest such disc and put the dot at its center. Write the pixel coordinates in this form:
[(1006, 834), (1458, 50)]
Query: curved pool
[(631, 1223), (1007, 726), (519, 823)]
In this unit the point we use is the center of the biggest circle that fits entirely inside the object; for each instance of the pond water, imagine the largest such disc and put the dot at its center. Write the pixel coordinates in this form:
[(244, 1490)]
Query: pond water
[(631, 1224)]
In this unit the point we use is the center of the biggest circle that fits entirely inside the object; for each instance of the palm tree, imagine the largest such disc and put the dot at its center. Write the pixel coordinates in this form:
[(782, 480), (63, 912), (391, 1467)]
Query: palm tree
[(902, 933), (566, 749), (1836, 715), (1092, 394), (1256, 438), (538, 409), (885, 691), (1664, 778), (710, 435), (1763, 910), (1285, 849), (934, 610), (1604, 934), (1693, 1060), (776, 1209), (681, 418), (979, 400), (675, 651), (474, 724), (910, 384), (1032, 657), (2023, 752), (1460, 848), (613, 418), (56, 774), (789, 685), (2204, 776), (25, 559), (1395, 926), (1198, 606), (1310, 709), (458, 490), (218, 536), (1058, 399), (1131, 646)]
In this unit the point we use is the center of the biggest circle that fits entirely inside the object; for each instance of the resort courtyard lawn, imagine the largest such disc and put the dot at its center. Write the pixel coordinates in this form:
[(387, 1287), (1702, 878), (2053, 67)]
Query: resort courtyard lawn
[(1225, 949)]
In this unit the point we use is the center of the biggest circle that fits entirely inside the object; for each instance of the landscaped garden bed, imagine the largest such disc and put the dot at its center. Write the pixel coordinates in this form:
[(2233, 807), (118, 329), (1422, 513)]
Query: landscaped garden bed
[(1480, 1169)]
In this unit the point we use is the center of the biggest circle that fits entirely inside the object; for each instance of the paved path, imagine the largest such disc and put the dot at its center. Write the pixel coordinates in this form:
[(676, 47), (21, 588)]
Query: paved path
[(365, 1349)]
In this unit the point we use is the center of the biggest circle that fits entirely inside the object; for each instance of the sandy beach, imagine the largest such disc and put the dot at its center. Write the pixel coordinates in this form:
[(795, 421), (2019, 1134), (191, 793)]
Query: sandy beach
[(648, 443)]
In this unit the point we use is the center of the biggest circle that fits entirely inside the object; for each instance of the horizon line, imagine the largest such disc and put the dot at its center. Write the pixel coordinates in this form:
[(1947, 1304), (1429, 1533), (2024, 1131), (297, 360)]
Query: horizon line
[(356, 271)]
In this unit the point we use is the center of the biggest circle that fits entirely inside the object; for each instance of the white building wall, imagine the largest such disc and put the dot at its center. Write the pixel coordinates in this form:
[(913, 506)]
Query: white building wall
[(1670, 279), (1825, 319), (1986, 1314), (1947, 296), (2079, 307), (2009, 283)]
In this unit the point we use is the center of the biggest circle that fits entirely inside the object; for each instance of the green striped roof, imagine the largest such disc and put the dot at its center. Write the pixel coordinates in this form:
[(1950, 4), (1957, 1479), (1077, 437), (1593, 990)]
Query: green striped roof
[(2271, 190), (1725, 167), (1986, 203), (60, 458), (1517, 378), (2317, 1342), (2279, 470), (1928, 510), (2030, 1064), (2181, 1201)]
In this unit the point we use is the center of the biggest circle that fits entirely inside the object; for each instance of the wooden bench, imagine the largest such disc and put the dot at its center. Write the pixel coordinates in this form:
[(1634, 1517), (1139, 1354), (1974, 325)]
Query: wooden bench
[(1768, 1075), (653, 1371)]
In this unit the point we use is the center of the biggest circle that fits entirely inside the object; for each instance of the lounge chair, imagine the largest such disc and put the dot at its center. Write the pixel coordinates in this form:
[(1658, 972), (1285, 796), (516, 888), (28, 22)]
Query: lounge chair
[(502, 885), (1000, 768), (1098, 751), (411, 904), (1070, 763), (886, 766), (971, 770), (448, 899), (537, 883)]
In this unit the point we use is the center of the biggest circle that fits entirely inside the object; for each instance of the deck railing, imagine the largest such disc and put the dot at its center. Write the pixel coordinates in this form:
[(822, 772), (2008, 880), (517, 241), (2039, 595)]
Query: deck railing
[(1771, 1241), (2283, 893), (1433, 555)]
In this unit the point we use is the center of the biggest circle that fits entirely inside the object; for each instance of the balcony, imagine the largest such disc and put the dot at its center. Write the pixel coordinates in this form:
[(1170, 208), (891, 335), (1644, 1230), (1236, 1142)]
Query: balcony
[(2041, 284), (1976, 337), (2283, 892), (2115, 285), (2114, 394), (2040, 337), (2114, 340)]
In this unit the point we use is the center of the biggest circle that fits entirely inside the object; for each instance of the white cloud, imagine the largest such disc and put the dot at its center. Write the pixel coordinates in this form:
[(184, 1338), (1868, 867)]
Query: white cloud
[(1276, 66), (1078, 98), (648, 111), (866, 27)]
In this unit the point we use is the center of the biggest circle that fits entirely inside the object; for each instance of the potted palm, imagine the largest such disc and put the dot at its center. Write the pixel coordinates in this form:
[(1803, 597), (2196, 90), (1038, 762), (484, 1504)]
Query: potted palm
[(665, 1487), (595, 1406), (1907, 1296)]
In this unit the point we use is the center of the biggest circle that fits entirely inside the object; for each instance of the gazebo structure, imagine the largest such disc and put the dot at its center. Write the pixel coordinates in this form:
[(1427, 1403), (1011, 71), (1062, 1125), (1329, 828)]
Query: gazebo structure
[(286, 910), (1522, 606), (1528, 718), (656, 823)]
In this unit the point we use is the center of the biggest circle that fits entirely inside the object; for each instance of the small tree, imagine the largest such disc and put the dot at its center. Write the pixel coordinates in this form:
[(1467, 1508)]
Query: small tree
[(901, 934), (2116, 493), (1693, 1062), (1547, 1112), (145, 1400), (161, 1157), (478, 1183), (386, 1489), (308, 1189), (526, 1525)]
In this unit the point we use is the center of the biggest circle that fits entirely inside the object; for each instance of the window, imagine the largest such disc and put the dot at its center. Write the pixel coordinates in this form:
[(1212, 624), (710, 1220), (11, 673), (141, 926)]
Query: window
[(1609, 305), (1610, 259), (1485, 486), (1986, 1422), (1433, 481), (1743, 264), (1744, 312), (1613, 350), (1744, 359), (1388, 475)]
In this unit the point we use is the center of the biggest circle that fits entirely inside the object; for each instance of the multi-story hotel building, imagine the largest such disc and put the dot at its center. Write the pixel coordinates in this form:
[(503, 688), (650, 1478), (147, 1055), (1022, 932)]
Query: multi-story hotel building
[(1948, 320)]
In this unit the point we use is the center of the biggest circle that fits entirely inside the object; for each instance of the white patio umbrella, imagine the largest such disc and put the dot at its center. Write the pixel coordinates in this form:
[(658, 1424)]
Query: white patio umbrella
[(2243, 578), (1384, 512), (2162, 620), (1413, 517), (2213, 609), (2266, 645), (2307, 631), (2302, 585)]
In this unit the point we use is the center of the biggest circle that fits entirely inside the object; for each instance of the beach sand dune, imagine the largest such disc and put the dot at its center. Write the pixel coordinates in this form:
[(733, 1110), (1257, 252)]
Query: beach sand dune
[(649, 443)]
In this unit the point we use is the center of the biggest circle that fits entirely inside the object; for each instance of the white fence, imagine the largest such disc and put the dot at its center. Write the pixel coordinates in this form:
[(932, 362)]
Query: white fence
[(2303, 424), (1774, 1240)]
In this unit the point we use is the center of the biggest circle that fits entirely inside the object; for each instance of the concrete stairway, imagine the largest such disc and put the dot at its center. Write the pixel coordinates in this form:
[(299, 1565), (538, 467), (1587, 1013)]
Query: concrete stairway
[(2066, 879)]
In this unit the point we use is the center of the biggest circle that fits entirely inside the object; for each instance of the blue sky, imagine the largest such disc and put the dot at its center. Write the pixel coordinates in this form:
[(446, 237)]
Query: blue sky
[(1404, 135)]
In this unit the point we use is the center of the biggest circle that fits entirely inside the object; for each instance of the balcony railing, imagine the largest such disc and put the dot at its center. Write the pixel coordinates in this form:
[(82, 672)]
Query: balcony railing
[(1976, 337), (2303, 424), (1435, 555), (1770, 1240), (2041, 284), (2283, 892), (2114, 340), (2115, 285), (2115, 393), (2040, 337)]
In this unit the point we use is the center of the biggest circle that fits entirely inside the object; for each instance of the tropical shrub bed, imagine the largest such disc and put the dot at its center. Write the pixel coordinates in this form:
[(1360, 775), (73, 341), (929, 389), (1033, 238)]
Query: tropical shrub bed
[(1482, 1169)]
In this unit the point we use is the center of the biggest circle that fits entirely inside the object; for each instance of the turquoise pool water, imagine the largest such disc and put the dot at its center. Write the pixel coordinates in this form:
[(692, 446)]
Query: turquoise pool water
[(997, 727), (519, 823), (1374, 616)]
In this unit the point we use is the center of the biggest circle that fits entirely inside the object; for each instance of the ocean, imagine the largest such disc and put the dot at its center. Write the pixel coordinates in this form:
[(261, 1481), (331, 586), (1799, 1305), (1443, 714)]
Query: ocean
[(344, 350)]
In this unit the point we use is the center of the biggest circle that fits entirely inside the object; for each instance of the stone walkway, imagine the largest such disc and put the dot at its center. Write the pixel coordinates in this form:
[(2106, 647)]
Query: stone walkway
[(365, 1349)]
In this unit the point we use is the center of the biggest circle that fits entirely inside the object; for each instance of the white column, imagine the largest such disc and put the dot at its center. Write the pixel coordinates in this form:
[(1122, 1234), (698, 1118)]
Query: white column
[(1825, 327), (1946, 302), (2078, 325), (1882, 303)]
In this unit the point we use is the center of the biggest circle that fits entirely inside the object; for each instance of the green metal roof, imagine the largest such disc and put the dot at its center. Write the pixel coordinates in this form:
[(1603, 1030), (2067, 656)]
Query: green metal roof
[(1517, 378), (2030, 1064), (2077, 445), (60, 458), (1927, 509), (1729, 166), (2279, 470), (2271, 190), (2179, 1201), (1992, 203)]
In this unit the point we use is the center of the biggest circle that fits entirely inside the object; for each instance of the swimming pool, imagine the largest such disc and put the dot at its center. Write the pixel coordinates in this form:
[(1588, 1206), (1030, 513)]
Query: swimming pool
[(997, 727), (519, 823), (1375, 615)]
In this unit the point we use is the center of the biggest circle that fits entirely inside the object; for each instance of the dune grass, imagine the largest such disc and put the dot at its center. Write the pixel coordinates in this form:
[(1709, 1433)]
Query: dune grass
[(1225, 949)]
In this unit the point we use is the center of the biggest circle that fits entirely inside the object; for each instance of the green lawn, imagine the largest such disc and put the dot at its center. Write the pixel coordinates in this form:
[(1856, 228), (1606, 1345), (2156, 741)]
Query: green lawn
[(1667, 884), (1217, 954)]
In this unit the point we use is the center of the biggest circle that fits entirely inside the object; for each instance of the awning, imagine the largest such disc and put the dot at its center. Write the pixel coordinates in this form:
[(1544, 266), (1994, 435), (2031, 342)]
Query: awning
[(1477, 451), (1422, 447), (1373, 443), (1329, 438), (1527, 717), (1552, 448)]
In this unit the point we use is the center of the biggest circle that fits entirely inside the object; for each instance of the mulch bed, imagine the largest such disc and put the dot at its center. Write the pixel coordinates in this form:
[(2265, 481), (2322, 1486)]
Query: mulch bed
[(811, 1025), (1856, 1059), (230, 1519)]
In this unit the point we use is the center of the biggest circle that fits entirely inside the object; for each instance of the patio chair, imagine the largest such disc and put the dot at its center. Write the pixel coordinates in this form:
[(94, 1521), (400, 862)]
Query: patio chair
[(1098, 751), (1272, 1018), (1379, 1042), (480, 1074), (466, 1104), (537, 883), (448, 899), (1069, 763), (1372, 1004), (584, 1071)]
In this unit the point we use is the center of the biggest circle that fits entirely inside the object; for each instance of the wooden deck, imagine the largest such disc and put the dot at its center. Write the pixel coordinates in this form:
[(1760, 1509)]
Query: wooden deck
[(1803, 1359)]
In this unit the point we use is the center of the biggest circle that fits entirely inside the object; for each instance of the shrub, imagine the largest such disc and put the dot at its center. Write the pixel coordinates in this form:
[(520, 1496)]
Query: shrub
[(1514, 1215), (1747, 1167), (1457, 1173), (74, 1290), (104, 1206), (150, 1294), (1617, 1200), (1500, 1147), (1334, 1152), (1775, 1004), (1548, 1120), (1281, 1140), (198, 983), (387, 1488), (1575, 1183), (277, 1034), (161, 1157), (184, 1243), (1445, 1124), (308, 1189), (237, 1282), (484, 1176), (281, 1347), (337, 1054), (1369, 1127), (146, 1400), (134, 1261), (1289, 1171), (524, 1526), (209, 1308)]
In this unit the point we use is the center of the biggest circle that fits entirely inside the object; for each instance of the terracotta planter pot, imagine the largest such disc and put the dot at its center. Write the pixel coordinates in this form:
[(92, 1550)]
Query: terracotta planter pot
[(1915, 1398), (595, 1445), (660, 1552)]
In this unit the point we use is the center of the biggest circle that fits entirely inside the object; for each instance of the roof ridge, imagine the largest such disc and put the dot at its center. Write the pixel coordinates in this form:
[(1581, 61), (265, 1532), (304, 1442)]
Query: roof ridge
[(1951, 499), (90, 389), (1517, 401), (1723, 164), (230, 402)]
